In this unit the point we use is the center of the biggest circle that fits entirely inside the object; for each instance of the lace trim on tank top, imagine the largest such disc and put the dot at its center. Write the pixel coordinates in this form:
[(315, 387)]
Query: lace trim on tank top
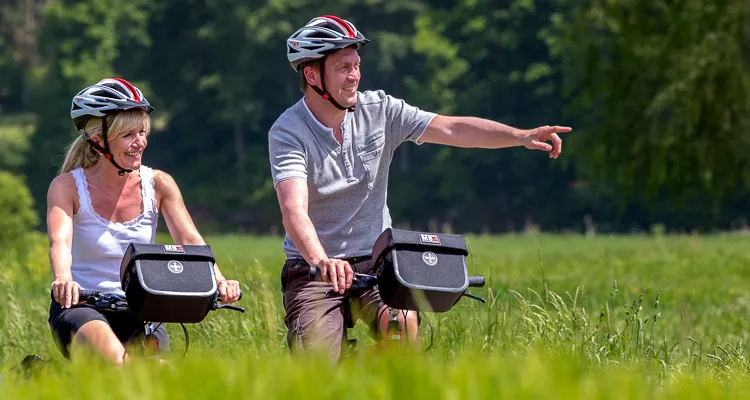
[(148, 195)]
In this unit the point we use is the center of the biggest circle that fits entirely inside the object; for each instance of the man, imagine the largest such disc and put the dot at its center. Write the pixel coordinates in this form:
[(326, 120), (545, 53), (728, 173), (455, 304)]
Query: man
[(329, 156)]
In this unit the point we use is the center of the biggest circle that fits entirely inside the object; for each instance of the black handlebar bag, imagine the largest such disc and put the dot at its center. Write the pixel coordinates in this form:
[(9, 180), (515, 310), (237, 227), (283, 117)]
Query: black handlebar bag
[(169, 283), (421, 271)]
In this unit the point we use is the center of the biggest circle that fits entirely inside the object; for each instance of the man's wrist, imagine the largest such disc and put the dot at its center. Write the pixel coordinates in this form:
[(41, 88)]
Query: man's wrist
[(62, 277), (522, 135), (316, 260)]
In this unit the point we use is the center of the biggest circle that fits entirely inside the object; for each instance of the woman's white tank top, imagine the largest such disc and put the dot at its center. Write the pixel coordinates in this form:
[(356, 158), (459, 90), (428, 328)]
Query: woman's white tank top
[(99, 244)]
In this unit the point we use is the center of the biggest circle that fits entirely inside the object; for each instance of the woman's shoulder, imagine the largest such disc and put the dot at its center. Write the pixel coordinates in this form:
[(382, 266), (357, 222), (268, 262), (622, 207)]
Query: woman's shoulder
[(161, 176), (64, 181), (163, 181), (63, 191)]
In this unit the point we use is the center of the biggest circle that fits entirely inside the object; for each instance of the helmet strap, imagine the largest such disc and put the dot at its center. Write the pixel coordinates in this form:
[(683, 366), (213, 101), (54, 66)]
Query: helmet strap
[(324, 92), (105, 150)]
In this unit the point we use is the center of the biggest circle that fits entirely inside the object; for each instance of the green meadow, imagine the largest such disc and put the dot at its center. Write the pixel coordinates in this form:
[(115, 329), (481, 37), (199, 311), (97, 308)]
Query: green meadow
[(613, 317)]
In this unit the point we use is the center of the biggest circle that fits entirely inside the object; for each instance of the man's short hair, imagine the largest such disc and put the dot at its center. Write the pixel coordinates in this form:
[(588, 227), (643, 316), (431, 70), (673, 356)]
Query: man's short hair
[(317, 63)]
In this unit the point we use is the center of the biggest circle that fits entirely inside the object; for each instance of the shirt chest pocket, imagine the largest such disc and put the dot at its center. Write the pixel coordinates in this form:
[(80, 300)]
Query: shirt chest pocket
[(371, 155)]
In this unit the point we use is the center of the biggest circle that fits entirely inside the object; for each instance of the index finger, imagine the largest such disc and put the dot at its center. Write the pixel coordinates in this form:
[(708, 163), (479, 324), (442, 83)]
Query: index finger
[(223, 292), (58, 294), (323, 267), (557, 129)]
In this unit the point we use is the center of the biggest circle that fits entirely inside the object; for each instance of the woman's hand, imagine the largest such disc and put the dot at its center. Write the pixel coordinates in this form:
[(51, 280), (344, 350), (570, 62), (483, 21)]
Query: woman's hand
[(229, 291), (65, 292)]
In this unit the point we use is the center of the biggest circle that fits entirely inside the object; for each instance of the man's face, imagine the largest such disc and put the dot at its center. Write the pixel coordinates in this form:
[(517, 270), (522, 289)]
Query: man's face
[(342, 76)]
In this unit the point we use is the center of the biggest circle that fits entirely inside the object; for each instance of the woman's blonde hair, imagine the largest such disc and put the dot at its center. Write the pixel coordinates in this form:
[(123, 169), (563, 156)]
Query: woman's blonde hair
[(80, 154)]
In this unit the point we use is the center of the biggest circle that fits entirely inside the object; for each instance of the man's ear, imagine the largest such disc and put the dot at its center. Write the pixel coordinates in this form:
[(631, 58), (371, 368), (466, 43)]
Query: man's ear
[(312, 75)]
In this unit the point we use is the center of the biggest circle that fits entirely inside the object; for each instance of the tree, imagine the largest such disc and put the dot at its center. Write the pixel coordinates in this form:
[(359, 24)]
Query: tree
[(17, 217), (79, 43), (661, 88), (490, 61)]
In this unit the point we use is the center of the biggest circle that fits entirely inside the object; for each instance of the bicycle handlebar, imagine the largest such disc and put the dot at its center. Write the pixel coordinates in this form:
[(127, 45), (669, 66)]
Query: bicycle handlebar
[(359, 281), (365, 282), (476, 281), (315, 275), (108, 301), (84, 295)]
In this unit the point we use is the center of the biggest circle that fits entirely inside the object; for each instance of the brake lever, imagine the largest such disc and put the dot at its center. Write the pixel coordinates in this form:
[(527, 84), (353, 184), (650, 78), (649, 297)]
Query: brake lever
[(231, 307), (475, 297), (218, 306)]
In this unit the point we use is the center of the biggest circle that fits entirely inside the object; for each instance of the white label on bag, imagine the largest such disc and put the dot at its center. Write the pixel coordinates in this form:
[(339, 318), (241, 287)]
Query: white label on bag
[(173, 248), (431, 239)]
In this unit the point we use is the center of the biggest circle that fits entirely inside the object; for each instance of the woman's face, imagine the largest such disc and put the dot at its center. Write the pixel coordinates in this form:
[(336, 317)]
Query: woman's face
[(127, 148)]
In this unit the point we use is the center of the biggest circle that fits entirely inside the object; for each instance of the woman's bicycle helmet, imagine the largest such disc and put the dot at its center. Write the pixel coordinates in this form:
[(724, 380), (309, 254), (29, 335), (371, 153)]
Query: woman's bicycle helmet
[(106, 97)]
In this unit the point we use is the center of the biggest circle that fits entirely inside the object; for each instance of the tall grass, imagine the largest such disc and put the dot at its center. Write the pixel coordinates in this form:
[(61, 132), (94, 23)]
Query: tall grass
[(605, 317)]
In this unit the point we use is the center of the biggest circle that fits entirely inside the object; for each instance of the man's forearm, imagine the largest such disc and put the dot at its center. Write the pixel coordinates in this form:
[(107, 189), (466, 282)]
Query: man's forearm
[(476, 133), (301, 230), (483, 133)]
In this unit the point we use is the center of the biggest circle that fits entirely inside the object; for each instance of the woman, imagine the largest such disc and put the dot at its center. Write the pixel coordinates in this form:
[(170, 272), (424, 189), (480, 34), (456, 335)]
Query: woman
[(102, 200)]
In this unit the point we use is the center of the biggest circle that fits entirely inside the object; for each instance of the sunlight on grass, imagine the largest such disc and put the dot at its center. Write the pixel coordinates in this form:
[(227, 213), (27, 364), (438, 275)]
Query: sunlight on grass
[(575, 317)]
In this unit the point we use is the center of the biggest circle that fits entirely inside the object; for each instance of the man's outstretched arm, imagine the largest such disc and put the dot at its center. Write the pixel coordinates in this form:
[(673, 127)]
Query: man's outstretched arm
[(487, 134)]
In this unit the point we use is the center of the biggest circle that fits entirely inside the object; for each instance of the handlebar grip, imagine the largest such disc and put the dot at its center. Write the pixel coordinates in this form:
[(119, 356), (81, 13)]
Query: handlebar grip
[(83, 295), (476, 281)]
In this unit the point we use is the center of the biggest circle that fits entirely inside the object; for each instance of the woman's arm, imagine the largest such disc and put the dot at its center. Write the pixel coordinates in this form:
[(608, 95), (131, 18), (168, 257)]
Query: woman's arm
[(60, 211), (182, 228)]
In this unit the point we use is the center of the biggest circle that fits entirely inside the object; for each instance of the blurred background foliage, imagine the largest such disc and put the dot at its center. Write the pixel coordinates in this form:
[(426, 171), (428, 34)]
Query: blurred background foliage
[(657, 91)]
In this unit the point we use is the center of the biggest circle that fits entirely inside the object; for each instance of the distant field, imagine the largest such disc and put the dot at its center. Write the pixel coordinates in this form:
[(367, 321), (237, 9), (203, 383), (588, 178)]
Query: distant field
[(567, 316)]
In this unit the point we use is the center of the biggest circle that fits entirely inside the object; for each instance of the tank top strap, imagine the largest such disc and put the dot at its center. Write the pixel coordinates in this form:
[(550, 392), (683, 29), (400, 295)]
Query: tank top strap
[(82, 186), (148, 189)]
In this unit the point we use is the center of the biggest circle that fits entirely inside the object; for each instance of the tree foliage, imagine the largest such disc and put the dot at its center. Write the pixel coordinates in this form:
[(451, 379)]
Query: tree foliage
[(656, 92), (661, 89), (17, 217)]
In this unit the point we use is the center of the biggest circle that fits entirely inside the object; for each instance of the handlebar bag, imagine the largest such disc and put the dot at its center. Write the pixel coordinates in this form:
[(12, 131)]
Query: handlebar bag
[(169, 283), (420, 271)]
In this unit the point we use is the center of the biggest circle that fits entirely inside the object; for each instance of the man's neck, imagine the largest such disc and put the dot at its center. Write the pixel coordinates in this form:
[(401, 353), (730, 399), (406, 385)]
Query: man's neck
[(325, 112)]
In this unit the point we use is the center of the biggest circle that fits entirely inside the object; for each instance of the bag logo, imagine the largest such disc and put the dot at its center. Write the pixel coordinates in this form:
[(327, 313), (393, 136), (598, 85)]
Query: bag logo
[(173, 248), (175, 267), (429, 258), (431, 239)]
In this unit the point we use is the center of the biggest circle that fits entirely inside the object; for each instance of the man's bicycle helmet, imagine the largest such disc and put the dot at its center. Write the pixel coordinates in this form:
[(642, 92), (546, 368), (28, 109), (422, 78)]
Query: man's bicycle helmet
[(319, 37), (106, 97)]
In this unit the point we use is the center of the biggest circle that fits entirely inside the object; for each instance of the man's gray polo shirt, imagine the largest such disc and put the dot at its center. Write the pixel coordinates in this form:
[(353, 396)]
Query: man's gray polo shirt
[(347, 184)]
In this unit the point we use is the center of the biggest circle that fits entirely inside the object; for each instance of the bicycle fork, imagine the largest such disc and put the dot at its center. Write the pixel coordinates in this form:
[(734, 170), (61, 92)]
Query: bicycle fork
[(393, 331)]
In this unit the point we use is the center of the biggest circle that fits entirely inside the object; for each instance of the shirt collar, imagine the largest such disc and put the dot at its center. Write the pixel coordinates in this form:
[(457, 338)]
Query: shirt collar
[(320, 125)]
